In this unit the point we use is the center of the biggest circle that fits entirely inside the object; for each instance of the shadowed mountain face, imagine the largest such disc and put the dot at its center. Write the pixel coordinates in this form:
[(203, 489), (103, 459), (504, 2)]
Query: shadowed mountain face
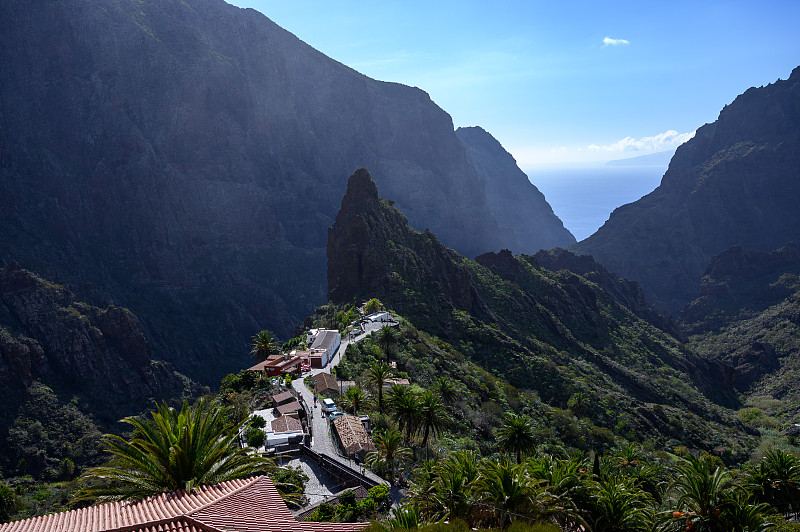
[(185, 159), (737, 182)]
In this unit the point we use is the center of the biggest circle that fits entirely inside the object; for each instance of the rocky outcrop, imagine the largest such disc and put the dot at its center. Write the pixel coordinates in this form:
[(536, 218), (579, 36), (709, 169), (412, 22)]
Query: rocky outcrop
[(734, 183), (98, 355), (186, 158), (517, 205)]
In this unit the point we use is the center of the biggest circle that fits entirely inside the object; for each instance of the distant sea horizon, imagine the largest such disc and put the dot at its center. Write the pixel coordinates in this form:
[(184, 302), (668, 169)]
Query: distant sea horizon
[(584, 197)]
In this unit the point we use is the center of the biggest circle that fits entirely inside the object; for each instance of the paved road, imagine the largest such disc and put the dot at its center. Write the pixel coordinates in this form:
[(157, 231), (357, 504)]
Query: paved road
[(322, 441)]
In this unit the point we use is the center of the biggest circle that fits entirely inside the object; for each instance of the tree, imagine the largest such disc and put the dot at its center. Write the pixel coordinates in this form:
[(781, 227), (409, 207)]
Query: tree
[(387, 338), (376, 376), (432, 415), (445, 388), (264, 345), (619, 506), (353, 400), (389, 448), (405, 406), (775, 480), (503, 491), (515, 435), (175, 450), (372, 306)]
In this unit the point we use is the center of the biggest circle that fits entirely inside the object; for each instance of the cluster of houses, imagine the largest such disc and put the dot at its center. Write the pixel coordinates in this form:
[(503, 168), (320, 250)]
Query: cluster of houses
[(323, 346)]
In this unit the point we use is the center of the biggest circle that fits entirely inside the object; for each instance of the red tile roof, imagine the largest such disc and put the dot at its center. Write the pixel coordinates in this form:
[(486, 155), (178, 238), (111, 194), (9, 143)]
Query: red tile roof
[(281, 398), (288, 408), (286, 424), (325, 381), (252, 505)]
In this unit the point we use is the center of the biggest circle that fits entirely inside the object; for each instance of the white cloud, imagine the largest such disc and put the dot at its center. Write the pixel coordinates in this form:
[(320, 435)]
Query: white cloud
[(608, 41), (661, 142)]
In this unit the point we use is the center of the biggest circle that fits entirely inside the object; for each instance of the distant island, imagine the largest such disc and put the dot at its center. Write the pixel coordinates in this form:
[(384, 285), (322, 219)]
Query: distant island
[(661, 158)]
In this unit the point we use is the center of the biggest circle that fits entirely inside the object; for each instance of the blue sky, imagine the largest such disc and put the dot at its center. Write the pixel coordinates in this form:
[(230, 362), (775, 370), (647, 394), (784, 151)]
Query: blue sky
[(561, 82)]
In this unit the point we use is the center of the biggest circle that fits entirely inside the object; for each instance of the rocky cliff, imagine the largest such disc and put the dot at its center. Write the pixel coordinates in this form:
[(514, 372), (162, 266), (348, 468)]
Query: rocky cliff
[(519, 208), (547, 330), (748, 316), (97, 355), (185, 159), (737, 182)]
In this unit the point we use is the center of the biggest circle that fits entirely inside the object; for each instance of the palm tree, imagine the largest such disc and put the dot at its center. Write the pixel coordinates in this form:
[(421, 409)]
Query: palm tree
[(389, 447), (515, 435), (444, 387), (456, 473), (775, 480), (173, 451), (376, 376), (433, 416), (353, 400), (405, 406), (619, 506), (504, 491), (264, 345), (387, 339)]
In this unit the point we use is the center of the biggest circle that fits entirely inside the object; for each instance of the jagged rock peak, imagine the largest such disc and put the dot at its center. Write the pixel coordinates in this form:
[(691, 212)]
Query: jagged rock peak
[(361, 190)]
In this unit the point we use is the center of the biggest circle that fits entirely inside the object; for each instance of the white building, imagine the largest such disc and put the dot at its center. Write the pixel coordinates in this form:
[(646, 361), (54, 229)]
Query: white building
[(325, 344)]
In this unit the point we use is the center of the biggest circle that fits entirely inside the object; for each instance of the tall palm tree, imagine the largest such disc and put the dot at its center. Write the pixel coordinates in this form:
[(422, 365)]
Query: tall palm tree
[(515, 435), (389, 448), (175, 450), (376, 376), (387, 338), (405, 406), (264, 345), (433, 416)]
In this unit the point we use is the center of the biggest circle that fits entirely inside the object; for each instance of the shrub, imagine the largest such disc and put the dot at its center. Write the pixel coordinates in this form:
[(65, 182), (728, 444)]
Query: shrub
[(258, 422), (255, 437)]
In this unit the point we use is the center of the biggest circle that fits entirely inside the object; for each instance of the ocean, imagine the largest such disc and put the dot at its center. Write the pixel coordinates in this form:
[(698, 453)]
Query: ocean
[(583, 198)]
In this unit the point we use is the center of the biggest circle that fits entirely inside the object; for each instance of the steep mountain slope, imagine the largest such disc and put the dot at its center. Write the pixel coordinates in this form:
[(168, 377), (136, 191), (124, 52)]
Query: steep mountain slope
[(554, 332), (97, 357), (187, 157), (748, 316), (520, 209), (737, 182)]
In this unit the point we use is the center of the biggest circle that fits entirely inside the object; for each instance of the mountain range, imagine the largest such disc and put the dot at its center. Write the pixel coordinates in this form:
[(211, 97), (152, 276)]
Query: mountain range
[(736, 183), (185, 159)]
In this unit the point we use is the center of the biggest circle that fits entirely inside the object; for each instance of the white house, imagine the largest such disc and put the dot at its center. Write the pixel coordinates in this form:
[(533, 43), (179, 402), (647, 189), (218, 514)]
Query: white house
[(326, 343)]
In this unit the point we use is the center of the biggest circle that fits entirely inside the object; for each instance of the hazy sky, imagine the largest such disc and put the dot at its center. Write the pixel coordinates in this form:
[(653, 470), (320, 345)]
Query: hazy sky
[(561, 81)]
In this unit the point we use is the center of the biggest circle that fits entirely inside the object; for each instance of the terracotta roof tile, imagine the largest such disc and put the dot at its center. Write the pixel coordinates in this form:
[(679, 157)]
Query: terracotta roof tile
[(294, 406), (286, 424), (252, 505), (325, 381)]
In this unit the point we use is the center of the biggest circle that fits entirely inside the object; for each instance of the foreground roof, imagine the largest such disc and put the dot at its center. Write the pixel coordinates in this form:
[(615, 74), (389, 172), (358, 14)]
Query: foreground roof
[(252, 505)]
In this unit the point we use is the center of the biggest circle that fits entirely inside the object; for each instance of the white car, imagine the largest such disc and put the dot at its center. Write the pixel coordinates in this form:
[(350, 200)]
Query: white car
[(328, 405)]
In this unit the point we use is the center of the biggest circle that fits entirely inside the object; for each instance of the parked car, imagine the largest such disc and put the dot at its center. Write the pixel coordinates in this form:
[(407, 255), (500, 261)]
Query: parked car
[(328, 405)]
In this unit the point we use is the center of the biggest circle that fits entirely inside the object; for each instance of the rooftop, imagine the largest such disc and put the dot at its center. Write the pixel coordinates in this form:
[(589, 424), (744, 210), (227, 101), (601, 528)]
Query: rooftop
[(325, 339), (287, 408), (325, 381), (251, 505), (286, 424), (353, 434)]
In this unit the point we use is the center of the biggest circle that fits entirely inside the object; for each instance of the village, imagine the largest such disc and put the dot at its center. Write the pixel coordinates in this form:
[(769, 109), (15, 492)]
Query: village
[(303, 426)]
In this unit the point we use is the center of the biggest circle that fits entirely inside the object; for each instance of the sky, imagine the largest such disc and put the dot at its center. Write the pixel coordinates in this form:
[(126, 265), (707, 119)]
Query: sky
[(561, 83)]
